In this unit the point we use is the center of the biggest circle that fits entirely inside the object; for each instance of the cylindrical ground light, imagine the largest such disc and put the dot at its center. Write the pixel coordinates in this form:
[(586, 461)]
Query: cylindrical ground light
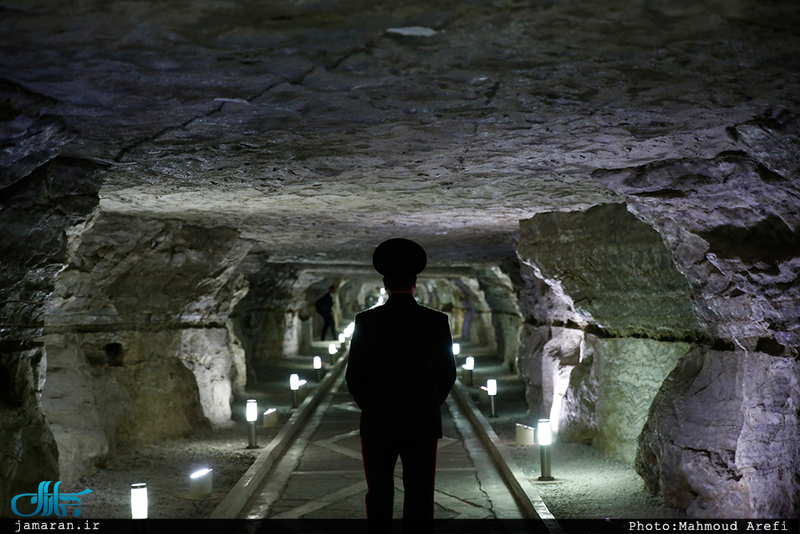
[(251, 414), (545, 440), (469, 366), (332, 350), (456, 349), (200, 485), (491, 389), (139, 501), (294, 385), (317, 367)]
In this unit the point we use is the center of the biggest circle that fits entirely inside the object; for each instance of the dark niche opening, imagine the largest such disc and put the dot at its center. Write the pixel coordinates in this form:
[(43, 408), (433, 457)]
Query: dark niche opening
[(113, 354)]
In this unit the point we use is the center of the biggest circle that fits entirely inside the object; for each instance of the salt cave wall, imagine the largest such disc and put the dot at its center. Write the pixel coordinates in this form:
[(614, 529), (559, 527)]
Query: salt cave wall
[(137, 337), (679, 350), (500, 292), (265, 320), (40, 199)]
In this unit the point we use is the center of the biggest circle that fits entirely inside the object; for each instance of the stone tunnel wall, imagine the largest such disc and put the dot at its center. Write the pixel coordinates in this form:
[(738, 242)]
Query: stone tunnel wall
[(138, 342), (672, 328), (41, 198), (500, 291), (267, 315), (607, 327)]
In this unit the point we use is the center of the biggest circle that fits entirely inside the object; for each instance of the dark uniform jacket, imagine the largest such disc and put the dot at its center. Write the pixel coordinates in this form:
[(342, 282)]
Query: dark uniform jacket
[(401, 369)]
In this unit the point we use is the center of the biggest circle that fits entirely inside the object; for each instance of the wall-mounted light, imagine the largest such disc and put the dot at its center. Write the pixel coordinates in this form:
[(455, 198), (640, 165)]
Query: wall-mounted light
[(270, 418), (139, 501), (491, 390), (469, 366), (251, 414), (545, 438), (200, 484), (294, 385), (317, 367), (524, 434)]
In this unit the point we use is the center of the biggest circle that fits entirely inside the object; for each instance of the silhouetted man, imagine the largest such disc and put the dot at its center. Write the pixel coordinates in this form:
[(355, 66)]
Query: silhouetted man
[(400, 371), (324, 306)]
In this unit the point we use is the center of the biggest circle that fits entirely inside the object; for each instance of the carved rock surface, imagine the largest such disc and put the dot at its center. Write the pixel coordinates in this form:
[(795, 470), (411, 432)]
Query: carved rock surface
[(721, 439), (615, 269)]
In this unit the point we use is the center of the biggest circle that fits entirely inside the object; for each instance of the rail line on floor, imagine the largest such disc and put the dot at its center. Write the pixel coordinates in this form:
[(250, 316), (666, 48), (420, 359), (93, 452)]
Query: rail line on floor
[(298, 429)]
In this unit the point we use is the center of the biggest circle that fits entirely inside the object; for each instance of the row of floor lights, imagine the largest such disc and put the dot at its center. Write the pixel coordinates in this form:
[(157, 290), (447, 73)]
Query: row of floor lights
[(524, 432), (200, 481)]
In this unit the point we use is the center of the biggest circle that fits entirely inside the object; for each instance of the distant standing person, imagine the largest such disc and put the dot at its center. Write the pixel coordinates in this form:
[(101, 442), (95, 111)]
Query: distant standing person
[(400, 370), (324, 306)]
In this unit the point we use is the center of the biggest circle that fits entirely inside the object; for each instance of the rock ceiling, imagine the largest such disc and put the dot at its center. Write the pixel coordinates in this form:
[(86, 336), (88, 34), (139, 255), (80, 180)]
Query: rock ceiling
[(318, 128)]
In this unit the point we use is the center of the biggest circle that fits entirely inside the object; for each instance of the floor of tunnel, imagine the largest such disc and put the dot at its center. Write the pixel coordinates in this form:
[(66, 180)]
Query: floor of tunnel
[(587, 485)]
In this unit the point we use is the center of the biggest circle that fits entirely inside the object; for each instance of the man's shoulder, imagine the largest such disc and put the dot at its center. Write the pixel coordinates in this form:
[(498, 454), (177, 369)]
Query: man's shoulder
[(431, 312)]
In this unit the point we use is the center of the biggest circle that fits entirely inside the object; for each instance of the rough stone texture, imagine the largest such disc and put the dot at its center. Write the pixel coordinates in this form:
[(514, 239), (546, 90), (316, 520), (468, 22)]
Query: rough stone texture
[(560, 355), (148, 273), (208, 354), (138, 346), (615, 269), (731, 225), (40, 200), (28, 452), (35, 214), (262, 318), (629, 373), (312, 132), (721, 439), (98, 401), (501, 296)]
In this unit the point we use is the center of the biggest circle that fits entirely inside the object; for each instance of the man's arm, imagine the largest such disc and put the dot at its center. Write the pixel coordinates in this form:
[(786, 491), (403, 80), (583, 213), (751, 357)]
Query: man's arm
[(445, 361), (355, 374)]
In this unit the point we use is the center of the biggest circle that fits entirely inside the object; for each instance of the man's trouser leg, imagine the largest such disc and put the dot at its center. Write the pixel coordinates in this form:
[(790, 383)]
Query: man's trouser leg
[(380, 458), (419, 475)]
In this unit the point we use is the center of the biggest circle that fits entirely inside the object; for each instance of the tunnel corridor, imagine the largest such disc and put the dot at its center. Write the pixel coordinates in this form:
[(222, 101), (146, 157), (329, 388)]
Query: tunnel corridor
[(607, 193)]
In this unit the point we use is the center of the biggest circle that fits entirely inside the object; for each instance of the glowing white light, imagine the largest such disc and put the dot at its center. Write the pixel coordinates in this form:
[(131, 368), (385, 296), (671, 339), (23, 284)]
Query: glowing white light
[(341, 338), (200, 484), (348, 331), (543, 429), (317, 362), (383, 291), (491, 387), (201, 472), (139, 501), (469, 365), (456, 349), (295, 382), (251, 412), (332, 348)]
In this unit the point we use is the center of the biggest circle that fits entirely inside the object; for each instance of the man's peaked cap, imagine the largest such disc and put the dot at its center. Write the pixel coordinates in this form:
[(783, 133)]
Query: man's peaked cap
[(399, 257)]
